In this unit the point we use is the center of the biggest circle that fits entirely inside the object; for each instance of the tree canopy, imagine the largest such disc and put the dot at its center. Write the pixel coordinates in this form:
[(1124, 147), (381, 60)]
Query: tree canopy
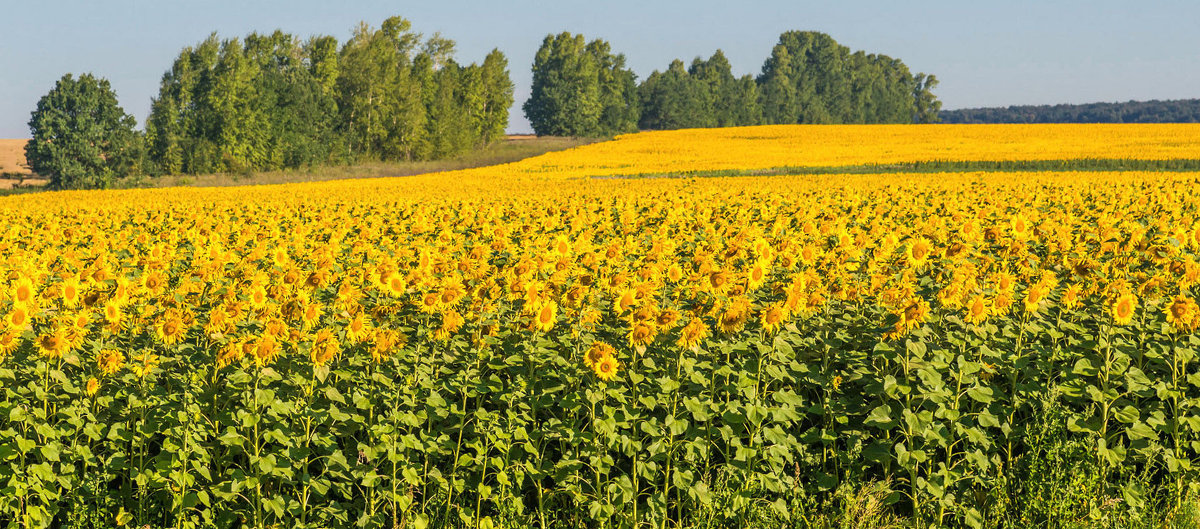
[(81, 137), (581, 89), (273, 101), (808, 78), (706, 94)]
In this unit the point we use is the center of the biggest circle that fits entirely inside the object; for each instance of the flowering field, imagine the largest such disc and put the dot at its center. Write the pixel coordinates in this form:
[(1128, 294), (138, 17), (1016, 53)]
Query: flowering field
[(525, 346)]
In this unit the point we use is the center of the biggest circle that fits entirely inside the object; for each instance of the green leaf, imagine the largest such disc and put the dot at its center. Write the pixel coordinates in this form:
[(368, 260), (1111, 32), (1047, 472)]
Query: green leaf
[(981, 394)]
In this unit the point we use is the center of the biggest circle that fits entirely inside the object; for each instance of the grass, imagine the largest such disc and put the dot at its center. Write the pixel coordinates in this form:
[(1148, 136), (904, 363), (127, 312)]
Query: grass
[(512, 149)]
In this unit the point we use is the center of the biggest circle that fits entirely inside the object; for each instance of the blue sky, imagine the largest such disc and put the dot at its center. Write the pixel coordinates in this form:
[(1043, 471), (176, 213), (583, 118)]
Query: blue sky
[(984, 53)]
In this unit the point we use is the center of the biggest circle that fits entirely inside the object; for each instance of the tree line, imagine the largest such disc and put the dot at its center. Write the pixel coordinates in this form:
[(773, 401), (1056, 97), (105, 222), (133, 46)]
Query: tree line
[(269, 102), (583, 88), (274, 101), (1155, 111)]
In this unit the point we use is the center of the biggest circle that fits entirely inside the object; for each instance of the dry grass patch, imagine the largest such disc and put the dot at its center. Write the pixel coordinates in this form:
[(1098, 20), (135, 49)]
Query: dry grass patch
[(12, 158)]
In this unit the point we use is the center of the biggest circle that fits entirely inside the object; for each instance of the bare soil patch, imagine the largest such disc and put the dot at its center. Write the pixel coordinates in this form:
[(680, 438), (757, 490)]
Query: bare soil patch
[(12, 158)]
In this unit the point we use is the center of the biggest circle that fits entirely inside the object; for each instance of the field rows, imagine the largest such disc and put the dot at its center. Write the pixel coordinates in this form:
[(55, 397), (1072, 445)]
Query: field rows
[(521, 346)]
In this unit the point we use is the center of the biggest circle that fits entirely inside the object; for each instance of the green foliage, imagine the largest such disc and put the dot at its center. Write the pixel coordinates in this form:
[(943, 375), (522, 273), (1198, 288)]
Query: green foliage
[(810, 78), (82, 139), (1155, 111), (270, 102), (704, 95), (581, 89), (1037, 421), (927, 105)]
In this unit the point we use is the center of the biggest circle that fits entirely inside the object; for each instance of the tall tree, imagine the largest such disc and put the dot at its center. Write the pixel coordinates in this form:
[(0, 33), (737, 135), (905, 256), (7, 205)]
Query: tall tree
[(270, 101), (675, 99), (82, 138), (618, 90), (927, 105), (581, 89), (565, 96), (810, 78), (497, 96), (777, 90)]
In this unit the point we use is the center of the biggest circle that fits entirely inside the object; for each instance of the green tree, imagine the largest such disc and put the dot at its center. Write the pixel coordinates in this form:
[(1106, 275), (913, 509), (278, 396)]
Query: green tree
[(497, 96), (927, 104), (618, 91), (581, 89), (810, 78), (675, 99), (777, 90), (82, 139), (271, 101)]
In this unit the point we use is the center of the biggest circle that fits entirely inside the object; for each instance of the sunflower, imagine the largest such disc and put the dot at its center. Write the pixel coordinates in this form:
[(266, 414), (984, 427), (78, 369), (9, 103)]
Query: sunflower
[(143, 364), (1034, 296), (674, 273), (170, 330), (1123, 308), (17, 319), (597, 352), (70, 293), (93, 386), (562, 245), (772, 318), (1071, 297), (154, 282), (915, 313), (719, 280), (232, 352), (666, 319), (756, 276), (1182, 313), (358, 328), (1019, 227), (113, 314), (452, 321), (394, 285), (918, 251), (110, 361), (53, 344), (544, 315), (23, 292), (977, 310), (429, 302), (692, 334), (606, 368), (258, 296), (641, 335), (384, 343), (734, 317), (310, 314), (9, 342), (325, 347), (625, 301), (265, 349)]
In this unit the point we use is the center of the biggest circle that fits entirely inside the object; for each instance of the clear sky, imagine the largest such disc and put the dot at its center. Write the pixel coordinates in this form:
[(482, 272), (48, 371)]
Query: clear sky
[(993, 53)]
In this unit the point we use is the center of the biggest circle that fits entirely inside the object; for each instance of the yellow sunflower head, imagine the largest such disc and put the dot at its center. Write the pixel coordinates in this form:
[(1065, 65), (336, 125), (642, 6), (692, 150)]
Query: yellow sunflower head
[(1123, 308), (606, 368)]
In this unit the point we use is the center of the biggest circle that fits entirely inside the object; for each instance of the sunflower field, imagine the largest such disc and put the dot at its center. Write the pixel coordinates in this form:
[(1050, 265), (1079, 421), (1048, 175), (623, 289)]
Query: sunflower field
[(531, 346)]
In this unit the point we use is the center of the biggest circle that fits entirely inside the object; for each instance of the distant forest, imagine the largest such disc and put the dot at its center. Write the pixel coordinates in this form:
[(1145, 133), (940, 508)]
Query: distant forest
[(1175, 111)]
